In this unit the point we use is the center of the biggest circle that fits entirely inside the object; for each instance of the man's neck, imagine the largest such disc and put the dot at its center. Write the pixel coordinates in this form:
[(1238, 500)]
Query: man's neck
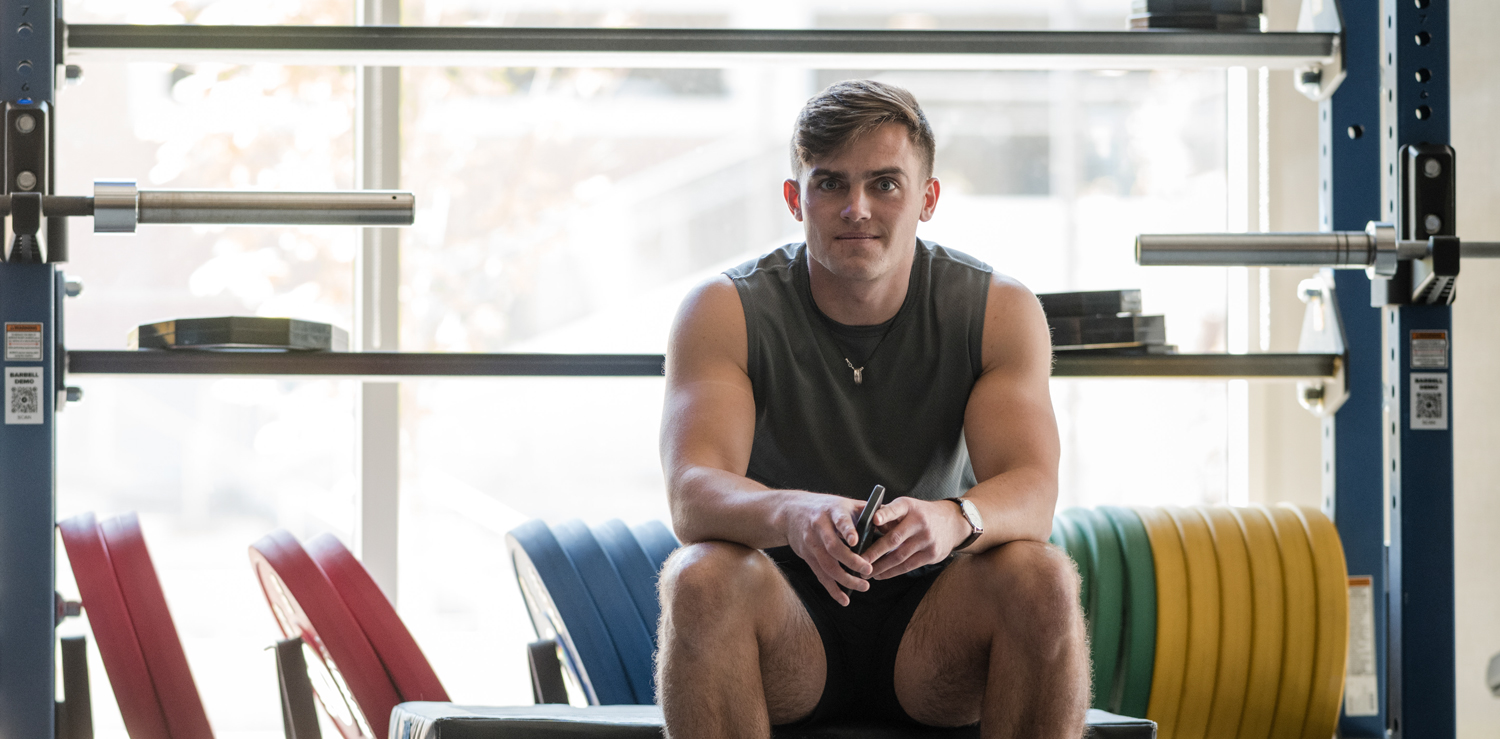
[(859, 302)]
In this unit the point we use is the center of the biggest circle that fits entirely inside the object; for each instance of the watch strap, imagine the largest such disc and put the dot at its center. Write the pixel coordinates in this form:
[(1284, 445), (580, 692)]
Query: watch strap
[(975, 530)]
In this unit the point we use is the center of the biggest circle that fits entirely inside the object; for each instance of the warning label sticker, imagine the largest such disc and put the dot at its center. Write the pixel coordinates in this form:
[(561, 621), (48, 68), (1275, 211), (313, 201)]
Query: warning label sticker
[(1361, 687), (23, 396), (1429, 400), (1429, 350), (23, 342)]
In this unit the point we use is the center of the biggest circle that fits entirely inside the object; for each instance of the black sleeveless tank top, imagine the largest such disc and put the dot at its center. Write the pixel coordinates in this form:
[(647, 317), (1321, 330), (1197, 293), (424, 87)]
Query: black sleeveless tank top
[(902, 426)]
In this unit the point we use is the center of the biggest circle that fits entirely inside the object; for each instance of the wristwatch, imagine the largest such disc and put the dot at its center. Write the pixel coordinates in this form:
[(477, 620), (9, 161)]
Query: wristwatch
[(971, 514)]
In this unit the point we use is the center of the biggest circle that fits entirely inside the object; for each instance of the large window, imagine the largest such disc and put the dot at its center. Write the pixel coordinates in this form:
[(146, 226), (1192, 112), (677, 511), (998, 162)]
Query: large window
[(566, 210)]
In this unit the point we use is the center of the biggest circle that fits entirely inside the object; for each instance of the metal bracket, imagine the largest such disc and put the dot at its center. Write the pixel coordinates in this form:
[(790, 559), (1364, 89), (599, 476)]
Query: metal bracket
[(1319, 81), (1322, 333)]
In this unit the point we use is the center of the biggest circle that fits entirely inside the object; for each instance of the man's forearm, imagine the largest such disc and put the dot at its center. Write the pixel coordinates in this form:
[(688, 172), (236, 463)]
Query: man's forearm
[(713, 504), (1016, 505)]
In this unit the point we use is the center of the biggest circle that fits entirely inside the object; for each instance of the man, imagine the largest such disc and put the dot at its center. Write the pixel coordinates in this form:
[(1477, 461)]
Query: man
[(797, 382)]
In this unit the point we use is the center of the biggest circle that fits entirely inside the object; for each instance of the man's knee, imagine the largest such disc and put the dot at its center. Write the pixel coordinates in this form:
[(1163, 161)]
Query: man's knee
[(712, 582), (1035, 585)]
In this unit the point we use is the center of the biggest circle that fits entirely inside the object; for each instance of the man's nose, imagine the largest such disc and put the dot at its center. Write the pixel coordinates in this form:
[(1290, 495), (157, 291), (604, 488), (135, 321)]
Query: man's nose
[(858, 207)]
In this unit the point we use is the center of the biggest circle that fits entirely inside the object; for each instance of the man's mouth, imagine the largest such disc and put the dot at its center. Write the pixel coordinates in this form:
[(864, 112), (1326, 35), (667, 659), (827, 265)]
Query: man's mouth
[(855, 236)]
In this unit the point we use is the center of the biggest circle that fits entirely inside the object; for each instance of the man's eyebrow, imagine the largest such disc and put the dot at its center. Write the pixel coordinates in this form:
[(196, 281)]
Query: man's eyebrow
[(823, 172), (885, 172)]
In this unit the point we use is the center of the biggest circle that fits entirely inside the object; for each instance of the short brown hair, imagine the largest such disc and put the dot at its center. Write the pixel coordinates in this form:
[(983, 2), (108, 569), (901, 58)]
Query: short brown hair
[(847, 110)]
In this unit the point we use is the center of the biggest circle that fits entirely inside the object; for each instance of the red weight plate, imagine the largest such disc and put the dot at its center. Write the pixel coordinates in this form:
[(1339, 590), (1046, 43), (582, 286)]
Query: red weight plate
[(113, 632), (347, 676), (154, 630), (398, 651)]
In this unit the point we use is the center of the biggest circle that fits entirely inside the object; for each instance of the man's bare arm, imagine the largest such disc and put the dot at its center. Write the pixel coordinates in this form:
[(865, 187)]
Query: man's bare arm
[(708, 427), (1009, 423), (1013, 446)]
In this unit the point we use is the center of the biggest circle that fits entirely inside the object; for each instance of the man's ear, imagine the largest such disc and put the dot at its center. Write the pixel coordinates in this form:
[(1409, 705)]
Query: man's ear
[(792, 192), (930, 198)]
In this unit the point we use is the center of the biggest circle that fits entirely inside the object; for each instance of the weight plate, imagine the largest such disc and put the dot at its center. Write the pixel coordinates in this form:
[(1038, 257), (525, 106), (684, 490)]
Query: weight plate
[(1236, 608), (1056, 537), (410, 672), (1199, 674), (114, 633), (1301, 619), (154, 631), (1078, 549), (351, 683), (1109, 602), (621, 619), (1139, 650), (1267, 629), (561, 606), (1332, 578), (635, 569), (657, 540), (1171, 621)]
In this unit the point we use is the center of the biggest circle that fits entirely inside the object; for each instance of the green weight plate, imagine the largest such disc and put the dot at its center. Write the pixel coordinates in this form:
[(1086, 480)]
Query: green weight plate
[(1078, 549), (1056, 537), (1139, 648), (1108, 604)]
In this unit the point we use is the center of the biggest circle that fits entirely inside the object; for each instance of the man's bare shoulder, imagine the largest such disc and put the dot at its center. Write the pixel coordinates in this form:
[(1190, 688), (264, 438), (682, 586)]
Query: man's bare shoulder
[(710, 325), (1015, 329)]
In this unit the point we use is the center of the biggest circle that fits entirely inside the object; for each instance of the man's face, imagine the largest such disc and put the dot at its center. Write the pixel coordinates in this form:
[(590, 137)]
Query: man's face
[(860, 206)]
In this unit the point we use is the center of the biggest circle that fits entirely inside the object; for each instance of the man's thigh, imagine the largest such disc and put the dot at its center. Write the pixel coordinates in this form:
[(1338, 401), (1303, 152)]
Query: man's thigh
[(976, 607), (792, 664)]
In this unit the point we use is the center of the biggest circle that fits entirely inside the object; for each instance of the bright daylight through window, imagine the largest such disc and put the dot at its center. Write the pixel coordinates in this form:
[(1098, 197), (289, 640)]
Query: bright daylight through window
[(566, 210)]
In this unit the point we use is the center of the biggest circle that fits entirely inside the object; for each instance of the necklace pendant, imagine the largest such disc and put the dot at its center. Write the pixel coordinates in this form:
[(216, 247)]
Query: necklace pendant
[(859, 375)]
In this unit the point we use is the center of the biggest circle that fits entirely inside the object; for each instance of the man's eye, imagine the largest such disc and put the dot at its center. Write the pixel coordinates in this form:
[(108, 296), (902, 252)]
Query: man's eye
[(828, 185), (886, 185)]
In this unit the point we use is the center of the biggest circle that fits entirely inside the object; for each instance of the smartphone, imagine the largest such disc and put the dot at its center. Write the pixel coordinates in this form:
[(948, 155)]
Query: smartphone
[(866, 523)]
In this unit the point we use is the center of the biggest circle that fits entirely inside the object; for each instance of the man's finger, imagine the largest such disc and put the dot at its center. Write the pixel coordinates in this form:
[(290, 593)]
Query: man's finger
[(901, 561), (841, 554), (887, 542), (832, 587), (829, 568), (843, 524), (892, 512)]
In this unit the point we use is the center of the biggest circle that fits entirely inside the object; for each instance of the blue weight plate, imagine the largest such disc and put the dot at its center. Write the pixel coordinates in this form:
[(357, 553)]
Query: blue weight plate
[(561, 607), (635, 569), (1077, 548), (657, 540), (612, 598)]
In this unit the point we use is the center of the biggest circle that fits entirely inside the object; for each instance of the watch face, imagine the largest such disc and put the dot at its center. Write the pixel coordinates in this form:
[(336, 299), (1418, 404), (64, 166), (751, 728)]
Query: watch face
[(971, 512)]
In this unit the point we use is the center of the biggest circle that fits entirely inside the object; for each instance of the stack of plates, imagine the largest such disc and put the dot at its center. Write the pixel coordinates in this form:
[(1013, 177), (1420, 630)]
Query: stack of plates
[(1214, 621)]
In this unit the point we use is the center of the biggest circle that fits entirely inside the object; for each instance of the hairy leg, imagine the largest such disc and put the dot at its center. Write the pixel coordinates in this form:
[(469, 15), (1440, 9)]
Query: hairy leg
[(738, 650), (999, 639)]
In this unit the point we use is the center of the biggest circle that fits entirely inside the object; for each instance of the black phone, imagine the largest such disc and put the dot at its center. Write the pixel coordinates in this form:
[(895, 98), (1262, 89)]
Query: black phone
[(866, 523)]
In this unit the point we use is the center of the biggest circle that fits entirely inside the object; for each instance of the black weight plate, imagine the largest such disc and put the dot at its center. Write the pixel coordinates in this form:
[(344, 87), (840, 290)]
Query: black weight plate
[(622, 620), (635, 569), (657, 540), (561, 607)]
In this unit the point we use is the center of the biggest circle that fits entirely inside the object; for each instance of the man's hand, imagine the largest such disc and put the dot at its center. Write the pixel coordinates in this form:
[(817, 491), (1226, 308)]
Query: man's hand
[(914, 533), (820, 529)]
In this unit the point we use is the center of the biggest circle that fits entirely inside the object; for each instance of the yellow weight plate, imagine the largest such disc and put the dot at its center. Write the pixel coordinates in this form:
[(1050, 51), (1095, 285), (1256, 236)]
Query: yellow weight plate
[(1332, 578), (1301, 620), (1171, 620), (1268, 611), (1235, 613), (1201, 671)]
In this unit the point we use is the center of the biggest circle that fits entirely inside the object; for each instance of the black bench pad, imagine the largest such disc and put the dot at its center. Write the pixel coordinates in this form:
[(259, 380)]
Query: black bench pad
[(418, 720)]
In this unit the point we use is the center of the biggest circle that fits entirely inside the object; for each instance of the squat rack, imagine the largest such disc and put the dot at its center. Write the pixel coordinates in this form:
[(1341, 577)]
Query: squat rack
[(1377, 49)]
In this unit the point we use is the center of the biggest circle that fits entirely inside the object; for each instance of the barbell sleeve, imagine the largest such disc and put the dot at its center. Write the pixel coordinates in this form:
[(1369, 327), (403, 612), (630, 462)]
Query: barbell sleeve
[(356, 208), (1332, 249)]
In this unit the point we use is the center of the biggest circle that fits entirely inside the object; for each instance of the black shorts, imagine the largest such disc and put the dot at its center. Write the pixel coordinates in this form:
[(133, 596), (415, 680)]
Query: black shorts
[(859, 640)]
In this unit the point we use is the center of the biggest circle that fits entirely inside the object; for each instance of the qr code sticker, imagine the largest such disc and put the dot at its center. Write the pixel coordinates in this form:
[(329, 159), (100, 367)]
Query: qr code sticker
[(1429, 406)]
